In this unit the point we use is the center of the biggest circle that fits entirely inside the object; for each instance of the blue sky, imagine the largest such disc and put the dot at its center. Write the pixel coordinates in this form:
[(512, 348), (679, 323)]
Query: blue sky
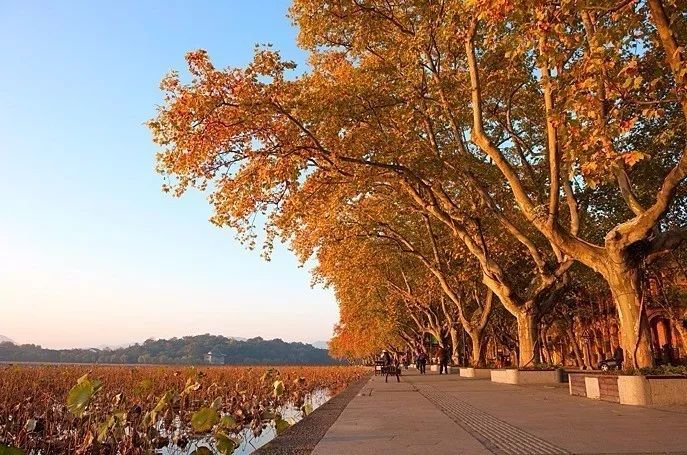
[(91, 251)]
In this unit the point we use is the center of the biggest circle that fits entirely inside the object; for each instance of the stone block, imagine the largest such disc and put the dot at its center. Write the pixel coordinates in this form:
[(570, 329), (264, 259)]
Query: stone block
[(591, 385), (476, 373), (513, 376), (634, 390)]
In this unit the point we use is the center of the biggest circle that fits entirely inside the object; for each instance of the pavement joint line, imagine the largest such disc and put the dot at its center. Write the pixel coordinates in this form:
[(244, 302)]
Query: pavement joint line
[(497, 436)]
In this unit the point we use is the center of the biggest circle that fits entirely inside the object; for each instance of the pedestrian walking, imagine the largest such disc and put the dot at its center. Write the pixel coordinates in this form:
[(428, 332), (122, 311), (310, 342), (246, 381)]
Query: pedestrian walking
[(422, 362), (443, 360)]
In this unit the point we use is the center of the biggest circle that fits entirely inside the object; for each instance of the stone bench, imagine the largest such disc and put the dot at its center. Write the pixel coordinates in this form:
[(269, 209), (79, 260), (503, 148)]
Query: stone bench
[(391, 370)]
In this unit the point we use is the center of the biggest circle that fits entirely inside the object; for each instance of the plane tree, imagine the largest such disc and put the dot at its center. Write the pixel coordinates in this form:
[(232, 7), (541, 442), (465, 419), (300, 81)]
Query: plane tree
[(561, 98), (508, 110), (263, 144)]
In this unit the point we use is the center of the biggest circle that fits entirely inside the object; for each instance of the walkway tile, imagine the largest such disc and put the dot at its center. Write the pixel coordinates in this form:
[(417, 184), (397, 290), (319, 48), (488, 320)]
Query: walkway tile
[(452, 415), (392, 418)]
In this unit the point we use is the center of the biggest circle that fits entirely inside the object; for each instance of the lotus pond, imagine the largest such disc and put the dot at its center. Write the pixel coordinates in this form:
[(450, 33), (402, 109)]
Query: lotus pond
[(169, 410)]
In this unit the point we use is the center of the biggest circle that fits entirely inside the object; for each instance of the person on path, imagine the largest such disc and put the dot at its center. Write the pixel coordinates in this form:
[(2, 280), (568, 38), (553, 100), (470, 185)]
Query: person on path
[(618, 357), (443, 360), (422, 362), (390, 365), (386, 357)]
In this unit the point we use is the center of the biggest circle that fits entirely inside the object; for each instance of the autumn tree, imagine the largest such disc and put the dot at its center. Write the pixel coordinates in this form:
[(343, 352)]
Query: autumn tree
[(562, 98), (352, 251), (476, 110), (260, 155), (371, 317)]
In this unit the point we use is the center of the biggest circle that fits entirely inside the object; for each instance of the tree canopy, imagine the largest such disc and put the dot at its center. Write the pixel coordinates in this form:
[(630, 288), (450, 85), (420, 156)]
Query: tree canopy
[(452, 151)]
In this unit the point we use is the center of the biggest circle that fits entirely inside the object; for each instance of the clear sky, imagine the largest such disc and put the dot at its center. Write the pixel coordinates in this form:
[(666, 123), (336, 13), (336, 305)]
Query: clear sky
[(91, 251)]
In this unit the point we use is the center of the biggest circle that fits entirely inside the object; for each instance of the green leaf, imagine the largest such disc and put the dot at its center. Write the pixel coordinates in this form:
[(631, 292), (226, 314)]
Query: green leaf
[(281, 425), (96, 384), (143, 386), (7, 450), (150, 418), (204, 419), (163, 402), (80, 395), (104, 428), (269, 374), (227, 421), (224, 444)]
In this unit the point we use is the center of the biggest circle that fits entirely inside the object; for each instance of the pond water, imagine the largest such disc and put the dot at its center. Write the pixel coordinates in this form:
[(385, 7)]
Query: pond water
[(249, 442)]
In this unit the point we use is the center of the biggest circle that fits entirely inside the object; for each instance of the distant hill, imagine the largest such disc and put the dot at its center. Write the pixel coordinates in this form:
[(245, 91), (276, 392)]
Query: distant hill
[(186, 350), (112, 347), (4, 339)]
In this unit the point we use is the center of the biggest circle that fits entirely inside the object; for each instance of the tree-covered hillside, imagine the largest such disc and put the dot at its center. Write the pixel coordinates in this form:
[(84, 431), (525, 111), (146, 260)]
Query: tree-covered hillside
[(186, 350)]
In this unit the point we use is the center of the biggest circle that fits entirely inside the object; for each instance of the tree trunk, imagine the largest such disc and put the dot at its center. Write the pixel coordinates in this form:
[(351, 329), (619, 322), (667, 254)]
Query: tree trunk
[(546, 355), (597, 343), (477, 348), (677, 323), (633, 326), (528, 326), (527, 337), (454, 346), (614, 334), (606, 338), (576, 348)]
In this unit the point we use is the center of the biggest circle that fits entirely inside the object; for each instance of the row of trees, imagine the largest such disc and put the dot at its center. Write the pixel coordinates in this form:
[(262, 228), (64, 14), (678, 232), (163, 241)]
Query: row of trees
[(185, 350), (507, 168)]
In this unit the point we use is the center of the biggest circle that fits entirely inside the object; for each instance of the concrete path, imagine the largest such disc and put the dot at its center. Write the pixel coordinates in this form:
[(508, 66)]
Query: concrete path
[(446, 414)]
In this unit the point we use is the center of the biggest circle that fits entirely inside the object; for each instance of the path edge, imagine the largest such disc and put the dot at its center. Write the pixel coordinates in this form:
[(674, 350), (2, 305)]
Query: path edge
[(302, 437)]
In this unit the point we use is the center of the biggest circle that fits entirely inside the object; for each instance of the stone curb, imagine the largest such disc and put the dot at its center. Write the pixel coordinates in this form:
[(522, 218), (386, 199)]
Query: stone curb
[(301, 438)]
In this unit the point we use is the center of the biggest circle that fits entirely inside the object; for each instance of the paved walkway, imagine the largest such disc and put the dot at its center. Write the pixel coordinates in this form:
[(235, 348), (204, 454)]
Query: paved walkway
[(446, 414)]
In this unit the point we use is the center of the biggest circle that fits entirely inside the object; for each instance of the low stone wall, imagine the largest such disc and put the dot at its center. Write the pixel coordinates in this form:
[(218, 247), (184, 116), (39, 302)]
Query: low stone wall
[(594, 385), (652, 390), (476, 373), (633, 390), (504, 376), (513, 376), (667, 391), (630, 390), (577, 385), (608, 388)]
